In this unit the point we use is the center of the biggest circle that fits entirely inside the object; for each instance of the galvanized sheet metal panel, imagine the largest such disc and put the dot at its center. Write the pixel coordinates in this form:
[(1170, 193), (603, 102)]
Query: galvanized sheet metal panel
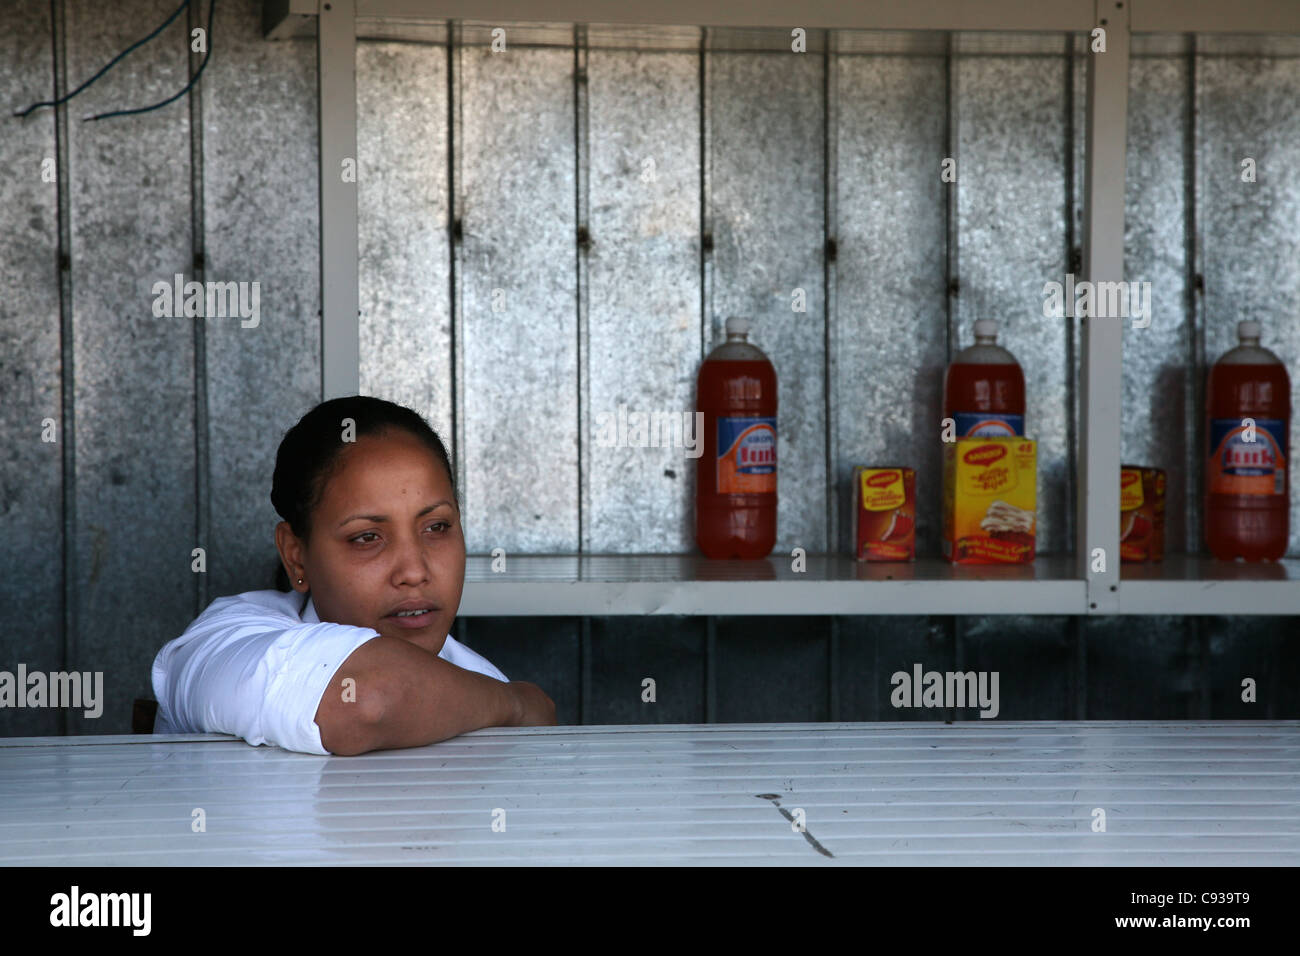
[(981, 792), (890, 328), (402, 211), (1011, 197), (520, 389), (643, 37), (1250, 108), (31, 482), (771, 669), (643, 340), (766, 210), (1034, 658), (1262, 650), (1017, 44), (541, 650), (873, 649), (516, 35), (261, 224), (134, 373), (1158, 425), (627, 651), (1142, 668)]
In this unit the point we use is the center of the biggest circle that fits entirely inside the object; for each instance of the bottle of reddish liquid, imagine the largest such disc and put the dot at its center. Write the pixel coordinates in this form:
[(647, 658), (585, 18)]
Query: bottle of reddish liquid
[(735, 475), (1247, 421), (984, 389)]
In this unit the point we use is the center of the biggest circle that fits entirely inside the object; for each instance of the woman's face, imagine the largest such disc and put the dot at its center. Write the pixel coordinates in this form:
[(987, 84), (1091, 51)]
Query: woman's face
[(386, 533)]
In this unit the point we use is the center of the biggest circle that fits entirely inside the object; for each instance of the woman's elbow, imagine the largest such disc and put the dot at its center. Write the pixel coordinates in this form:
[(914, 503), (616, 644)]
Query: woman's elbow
[(346, 741), (348, 728)]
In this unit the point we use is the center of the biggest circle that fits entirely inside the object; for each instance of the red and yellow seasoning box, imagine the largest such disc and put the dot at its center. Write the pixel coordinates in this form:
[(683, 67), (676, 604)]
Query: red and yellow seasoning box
[(990, 493), (1141, 513), (884, 500)]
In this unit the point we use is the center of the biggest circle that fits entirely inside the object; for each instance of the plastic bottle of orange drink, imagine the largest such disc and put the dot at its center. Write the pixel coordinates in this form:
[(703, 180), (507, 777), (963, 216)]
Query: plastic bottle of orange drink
[(735, 477), (1247, 488), (984, 389)]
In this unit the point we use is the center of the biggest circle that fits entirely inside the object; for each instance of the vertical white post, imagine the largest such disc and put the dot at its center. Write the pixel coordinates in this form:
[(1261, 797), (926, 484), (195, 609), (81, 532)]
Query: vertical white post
[(1102, 339), (340, 298)]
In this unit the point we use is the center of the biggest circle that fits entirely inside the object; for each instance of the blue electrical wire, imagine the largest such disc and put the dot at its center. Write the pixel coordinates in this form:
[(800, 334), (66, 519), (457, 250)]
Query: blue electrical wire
[(134, 46), (212, 9)]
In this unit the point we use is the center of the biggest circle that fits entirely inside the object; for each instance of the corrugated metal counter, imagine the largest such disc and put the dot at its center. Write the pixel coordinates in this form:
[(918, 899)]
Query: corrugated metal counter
[(973, 792)]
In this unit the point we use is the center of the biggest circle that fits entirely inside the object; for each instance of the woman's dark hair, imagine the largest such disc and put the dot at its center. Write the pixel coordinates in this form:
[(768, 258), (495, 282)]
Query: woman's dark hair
[(309, 456)]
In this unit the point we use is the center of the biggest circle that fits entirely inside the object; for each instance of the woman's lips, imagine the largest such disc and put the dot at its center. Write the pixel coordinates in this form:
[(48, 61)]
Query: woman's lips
[(414, 621)]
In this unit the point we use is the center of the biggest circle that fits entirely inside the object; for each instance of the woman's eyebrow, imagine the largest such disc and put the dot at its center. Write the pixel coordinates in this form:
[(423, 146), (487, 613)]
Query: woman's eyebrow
[(421, 514)]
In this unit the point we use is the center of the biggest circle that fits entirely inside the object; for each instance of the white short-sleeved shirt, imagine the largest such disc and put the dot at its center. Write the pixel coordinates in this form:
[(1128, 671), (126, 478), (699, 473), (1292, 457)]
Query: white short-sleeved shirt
[(256, 665)]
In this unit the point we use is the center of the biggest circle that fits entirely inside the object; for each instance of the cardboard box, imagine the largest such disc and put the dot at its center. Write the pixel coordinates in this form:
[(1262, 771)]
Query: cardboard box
[(884, 506), (1141, 513), (990, 497)]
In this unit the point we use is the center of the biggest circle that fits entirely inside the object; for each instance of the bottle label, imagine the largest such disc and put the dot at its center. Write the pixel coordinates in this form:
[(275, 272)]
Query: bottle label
[(988, 425), (746, 459), (1239, 466)]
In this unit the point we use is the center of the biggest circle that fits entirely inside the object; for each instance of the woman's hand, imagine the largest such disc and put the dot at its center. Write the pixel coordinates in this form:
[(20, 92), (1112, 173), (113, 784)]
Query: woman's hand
[(532, 707)]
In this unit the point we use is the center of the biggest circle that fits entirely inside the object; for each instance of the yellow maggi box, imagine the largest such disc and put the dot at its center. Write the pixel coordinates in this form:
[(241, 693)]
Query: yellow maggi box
[(990, 495)]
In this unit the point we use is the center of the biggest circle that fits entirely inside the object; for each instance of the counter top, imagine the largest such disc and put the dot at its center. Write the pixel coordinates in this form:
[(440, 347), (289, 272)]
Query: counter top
[(919, 793)]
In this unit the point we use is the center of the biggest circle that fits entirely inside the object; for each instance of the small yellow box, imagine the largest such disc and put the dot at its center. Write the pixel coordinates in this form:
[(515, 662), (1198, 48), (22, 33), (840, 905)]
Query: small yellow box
[(990, 495), (884, 503)]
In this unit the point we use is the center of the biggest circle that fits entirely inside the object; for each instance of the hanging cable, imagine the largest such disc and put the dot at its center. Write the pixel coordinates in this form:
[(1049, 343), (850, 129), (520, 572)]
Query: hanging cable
[(212, 9), (111, 63)]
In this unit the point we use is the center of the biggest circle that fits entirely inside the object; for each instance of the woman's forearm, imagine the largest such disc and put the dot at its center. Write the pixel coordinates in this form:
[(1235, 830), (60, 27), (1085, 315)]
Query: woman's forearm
[(407, 697)]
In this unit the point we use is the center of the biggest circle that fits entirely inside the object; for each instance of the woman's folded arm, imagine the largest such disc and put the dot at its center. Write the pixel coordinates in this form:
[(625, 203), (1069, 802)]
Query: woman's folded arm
[(401, 695)]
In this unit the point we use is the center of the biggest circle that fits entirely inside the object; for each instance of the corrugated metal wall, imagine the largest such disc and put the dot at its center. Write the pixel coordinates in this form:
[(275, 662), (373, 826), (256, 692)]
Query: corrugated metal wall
[(167, 428), (707, 185)]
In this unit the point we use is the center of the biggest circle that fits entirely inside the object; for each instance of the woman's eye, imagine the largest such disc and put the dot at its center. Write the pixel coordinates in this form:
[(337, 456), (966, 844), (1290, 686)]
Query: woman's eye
[(440, 526)]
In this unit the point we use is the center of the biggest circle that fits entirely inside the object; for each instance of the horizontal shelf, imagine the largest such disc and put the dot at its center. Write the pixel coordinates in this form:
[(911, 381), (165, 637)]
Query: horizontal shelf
[(1192, 584), (289, 18), (611, 585), (600, 585)]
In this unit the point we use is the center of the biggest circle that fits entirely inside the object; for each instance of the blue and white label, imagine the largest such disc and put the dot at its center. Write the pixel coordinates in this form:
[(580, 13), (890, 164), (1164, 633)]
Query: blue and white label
[(1247, 458), (988, 425), (746, 455)]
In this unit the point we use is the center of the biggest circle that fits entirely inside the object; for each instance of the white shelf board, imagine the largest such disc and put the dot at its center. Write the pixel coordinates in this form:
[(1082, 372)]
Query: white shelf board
[(611, 585), (282, 19), (1192, 584), (601, 585)]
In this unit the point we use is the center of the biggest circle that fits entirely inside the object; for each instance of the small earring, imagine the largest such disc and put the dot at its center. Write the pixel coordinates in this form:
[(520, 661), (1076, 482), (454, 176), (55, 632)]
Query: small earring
[(300, 580)]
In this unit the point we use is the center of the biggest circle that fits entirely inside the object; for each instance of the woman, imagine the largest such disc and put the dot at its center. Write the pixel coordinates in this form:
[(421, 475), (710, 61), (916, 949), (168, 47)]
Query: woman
[(354, 655)]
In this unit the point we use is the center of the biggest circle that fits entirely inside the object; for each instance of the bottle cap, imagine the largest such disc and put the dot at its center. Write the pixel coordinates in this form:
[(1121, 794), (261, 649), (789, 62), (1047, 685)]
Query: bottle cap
[(1249, 329), (737, 326), (986, 327)]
